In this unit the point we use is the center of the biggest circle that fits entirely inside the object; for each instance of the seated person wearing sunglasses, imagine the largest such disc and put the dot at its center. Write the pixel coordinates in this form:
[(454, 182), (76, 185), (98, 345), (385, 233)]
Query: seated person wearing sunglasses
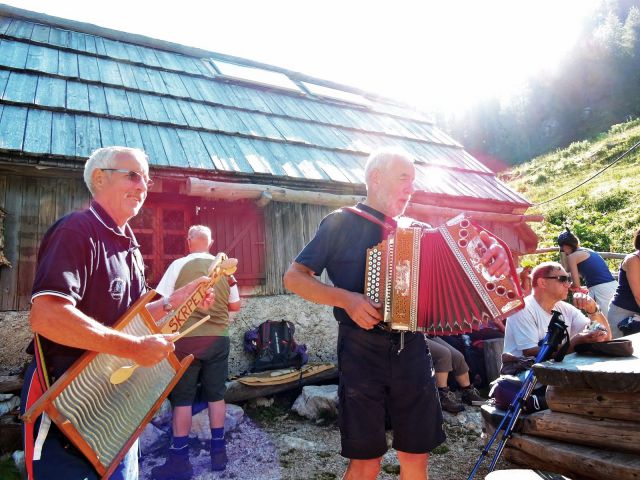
[(550, 284)]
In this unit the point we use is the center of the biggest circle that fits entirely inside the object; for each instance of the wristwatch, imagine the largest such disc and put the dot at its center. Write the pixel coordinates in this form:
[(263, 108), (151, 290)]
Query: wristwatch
[(166, 305)]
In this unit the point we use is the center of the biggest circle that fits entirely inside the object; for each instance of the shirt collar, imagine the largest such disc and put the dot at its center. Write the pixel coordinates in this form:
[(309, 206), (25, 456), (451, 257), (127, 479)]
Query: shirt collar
[(105, 219)]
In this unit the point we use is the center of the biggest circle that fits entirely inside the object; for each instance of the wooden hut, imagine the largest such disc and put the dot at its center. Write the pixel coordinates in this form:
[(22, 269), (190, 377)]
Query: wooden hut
[(258, 153)]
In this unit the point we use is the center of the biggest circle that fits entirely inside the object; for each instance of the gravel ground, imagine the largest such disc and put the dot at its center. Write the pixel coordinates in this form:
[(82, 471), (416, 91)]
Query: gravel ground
[(273, 443)]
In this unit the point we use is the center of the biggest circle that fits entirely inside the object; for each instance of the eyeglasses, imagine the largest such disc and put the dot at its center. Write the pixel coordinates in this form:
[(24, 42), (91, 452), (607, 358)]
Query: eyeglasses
[(562, 278), (133, 177)]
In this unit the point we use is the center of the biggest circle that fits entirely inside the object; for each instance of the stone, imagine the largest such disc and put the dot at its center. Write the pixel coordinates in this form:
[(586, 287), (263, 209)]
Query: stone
[(10, 404), (201, 427), (317, 402), (291, 442), (18, 459), (153, 439)]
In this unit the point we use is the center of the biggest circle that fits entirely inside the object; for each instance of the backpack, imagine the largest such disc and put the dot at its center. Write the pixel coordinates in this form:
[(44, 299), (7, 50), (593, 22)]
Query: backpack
[(274, 347), (505, 389)]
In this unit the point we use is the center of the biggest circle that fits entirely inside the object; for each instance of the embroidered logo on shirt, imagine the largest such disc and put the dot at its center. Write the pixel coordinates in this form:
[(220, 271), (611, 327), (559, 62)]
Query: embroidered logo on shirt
[(116, 289)]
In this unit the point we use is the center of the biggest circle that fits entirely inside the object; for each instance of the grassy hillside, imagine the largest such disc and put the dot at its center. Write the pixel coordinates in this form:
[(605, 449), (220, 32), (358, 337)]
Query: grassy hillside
[(604, 212)]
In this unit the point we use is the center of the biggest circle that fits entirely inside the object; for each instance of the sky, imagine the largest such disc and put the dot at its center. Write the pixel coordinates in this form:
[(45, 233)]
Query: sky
[(430, 54)]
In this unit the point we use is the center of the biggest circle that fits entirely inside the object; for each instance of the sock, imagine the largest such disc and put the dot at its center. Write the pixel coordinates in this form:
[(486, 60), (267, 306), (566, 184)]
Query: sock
[(179, 443), (217, 439)]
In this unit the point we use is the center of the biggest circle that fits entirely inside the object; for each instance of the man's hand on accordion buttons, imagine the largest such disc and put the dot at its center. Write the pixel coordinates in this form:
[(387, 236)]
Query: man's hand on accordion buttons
[(496, 257), (363, 311)]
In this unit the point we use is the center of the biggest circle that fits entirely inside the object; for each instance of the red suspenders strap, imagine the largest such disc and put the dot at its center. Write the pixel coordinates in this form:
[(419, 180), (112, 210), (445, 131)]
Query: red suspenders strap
[(386, 226)]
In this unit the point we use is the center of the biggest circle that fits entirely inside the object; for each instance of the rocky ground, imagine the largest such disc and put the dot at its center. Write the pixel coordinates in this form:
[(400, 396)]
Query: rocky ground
[(272, 442)]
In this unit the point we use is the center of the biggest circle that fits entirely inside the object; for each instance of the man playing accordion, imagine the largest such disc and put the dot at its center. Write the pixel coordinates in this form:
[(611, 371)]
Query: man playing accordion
[(380, 370)]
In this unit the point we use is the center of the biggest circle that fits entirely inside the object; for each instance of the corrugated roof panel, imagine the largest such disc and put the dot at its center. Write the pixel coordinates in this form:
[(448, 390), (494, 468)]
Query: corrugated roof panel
[(63, 134), (87, 135), (117, 103), (51, 92), (14, 54), (68, 64), (37, 137), (173, 147), (97, 102), (194, 149), (153, 144), (135, 104), (111, 132), (21, 87)]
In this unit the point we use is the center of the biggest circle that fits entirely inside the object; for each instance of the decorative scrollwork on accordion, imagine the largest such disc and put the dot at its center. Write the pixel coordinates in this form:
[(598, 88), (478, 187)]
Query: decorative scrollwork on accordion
[(433, 281)]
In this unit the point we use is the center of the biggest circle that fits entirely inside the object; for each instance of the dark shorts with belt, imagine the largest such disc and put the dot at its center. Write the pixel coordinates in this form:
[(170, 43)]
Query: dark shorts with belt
[(376, 381), (210, 366)]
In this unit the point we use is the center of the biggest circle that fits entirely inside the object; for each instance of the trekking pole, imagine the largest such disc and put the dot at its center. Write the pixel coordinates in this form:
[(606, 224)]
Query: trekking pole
[(556, 332)]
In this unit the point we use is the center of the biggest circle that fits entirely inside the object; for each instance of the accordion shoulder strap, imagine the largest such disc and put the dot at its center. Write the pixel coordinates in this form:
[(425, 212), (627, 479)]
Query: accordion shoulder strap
[(357, 211)]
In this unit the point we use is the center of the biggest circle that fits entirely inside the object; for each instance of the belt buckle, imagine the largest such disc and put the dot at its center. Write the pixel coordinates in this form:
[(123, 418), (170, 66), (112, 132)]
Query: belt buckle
[(384, 327)]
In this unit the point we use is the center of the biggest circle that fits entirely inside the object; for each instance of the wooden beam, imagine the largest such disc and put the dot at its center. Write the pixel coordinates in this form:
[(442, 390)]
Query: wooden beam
[(241, 191), (618, 405), (617, 435)]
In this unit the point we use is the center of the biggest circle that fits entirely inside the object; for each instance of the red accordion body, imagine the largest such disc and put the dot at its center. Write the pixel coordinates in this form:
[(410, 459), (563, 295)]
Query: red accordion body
[(432, 280)]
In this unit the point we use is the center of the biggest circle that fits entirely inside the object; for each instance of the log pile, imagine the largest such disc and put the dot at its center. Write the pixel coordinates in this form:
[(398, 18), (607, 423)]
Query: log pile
[(592, 427)]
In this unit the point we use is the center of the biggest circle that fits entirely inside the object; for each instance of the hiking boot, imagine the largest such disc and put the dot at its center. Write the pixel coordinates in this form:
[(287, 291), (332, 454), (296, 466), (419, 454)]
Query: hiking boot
[(449, 402), (471, 396), (219, 459), (176, 467)]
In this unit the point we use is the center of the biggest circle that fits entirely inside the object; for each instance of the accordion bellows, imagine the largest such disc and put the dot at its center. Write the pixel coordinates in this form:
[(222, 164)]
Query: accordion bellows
[(432, 280)]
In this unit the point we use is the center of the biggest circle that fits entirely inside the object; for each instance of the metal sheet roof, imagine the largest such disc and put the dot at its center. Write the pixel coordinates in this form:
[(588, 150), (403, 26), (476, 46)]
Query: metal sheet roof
[(65, 92)]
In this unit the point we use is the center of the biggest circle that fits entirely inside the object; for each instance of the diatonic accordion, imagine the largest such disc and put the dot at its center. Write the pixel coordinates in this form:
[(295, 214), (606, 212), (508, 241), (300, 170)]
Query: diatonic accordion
[(432, 280)]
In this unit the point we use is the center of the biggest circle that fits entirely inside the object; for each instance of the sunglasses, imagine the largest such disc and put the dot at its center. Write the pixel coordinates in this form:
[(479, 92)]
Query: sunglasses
[(133, 177), (562, 278)]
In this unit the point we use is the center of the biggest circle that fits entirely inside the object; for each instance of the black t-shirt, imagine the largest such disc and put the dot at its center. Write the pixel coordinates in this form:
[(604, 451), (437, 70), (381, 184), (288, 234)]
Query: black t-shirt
[(86, 259), (340, 246)]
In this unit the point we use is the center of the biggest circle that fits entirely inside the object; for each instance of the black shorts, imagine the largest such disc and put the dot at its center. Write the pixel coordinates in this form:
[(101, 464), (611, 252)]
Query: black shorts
[(211, 368), (375, 380)]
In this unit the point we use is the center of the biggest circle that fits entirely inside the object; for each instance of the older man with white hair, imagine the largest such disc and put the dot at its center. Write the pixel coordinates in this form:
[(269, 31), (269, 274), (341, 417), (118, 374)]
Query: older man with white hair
[(89, 272), (380, 371), (210, 346)]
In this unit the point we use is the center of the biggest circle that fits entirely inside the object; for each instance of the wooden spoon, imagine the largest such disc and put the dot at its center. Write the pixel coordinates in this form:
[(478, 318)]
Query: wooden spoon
[(123, 373)]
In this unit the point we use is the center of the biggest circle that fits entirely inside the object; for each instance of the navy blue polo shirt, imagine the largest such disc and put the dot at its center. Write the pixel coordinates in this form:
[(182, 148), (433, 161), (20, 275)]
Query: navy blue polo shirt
[(85, 258), (340, 246)]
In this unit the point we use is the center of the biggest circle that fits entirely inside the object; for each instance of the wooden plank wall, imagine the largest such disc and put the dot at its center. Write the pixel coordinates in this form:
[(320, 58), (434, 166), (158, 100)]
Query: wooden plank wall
[(32, 205), (288, 228)]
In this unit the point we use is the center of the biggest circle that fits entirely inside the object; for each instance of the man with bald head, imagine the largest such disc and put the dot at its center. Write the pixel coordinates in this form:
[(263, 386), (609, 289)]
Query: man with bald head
[(89, 272), (380, 371)]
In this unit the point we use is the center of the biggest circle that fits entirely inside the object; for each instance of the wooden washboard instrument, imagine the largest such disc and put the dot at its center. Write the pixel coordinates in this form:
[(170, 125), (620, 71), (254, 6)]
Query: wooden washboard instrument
[(432, 281), (101, 419)]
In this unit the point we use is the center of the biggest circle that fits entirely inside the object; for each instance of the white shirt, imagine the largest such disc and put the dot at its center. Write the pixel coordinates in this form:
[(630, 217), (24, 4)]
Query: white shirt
[(167, 284), (528, 326)]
